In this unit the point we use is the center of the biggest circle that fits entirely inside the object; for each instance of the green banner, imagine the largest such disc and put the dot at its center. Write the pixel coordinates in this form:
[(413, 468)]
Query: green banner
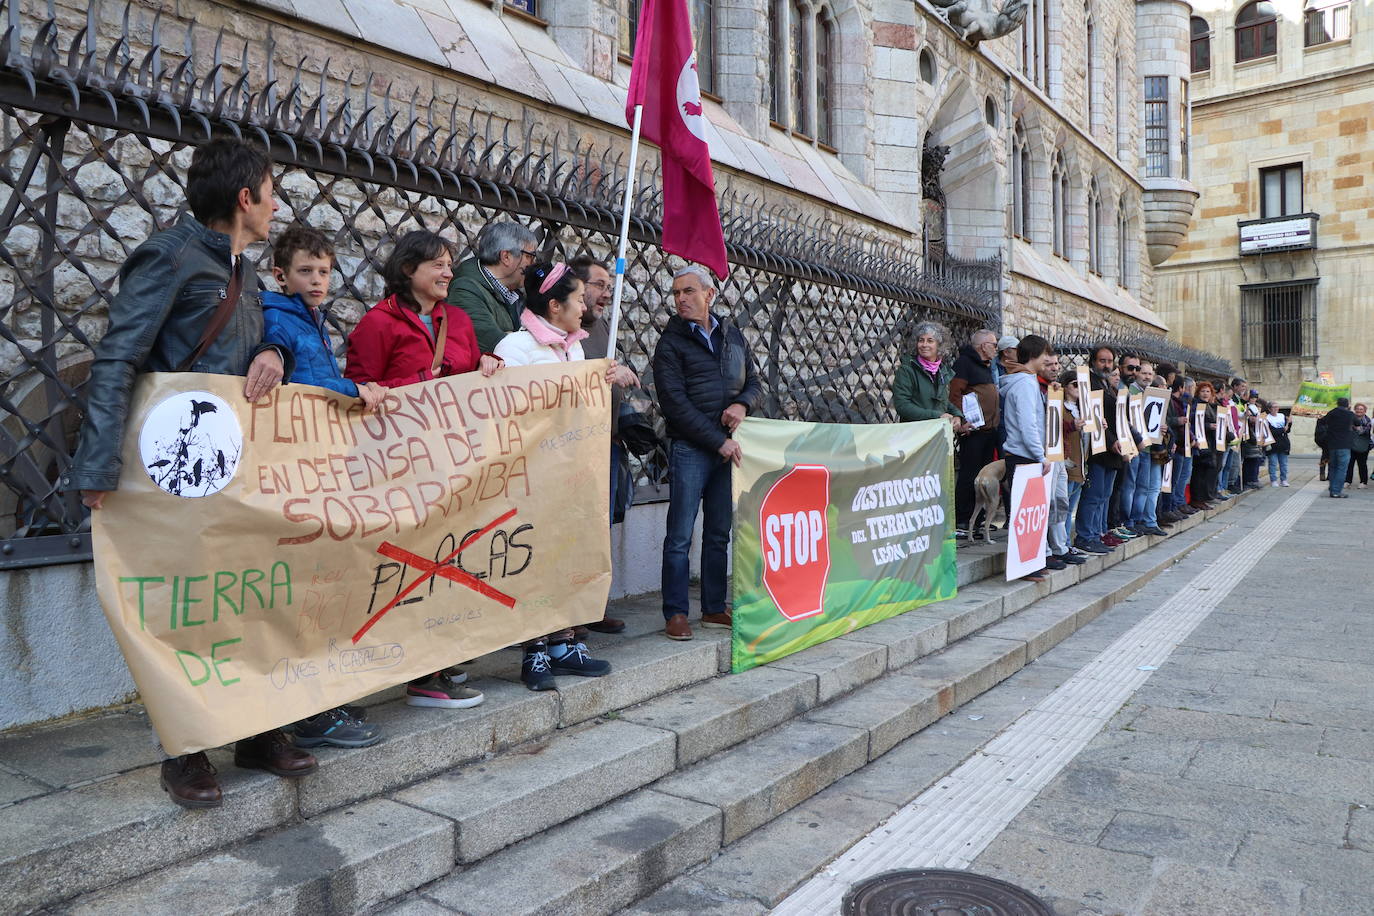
[(1315, 398), (837, 527)]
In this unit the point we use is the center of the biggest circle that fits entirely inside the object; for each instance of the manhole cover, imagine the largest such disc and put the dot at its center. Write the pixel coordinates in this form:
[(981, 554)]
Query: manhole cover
[(940, 892)]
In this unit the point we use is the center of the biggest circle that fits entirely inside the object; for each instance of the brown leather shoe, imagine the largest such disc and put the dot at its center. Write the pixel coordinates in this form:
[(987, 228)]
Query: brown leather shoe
[(274, 752), (677, 627), (191, 782), (608, 624), (717, 620), (580, 632)]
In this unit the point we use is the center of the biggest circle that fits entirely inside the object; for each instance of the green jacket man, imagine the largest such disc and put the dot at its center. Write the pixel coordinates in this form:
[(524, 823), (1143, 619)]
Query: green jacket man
[(490, 285)]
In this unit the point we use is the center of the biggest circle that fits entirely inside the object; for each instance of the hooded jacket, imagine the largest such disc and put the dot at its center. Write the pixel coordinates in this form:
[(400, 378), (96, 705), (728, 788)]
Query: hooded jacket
[(291, 324), (392, 346), (169, 289), (1023, 415), (972, 374)]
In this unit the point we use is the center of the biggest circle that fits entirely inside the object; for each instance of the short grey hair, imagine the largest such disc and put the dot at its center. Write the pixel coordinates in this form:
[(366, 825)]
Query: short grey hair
[(934, 330), (498, 237), (701, 273), (983, 334)]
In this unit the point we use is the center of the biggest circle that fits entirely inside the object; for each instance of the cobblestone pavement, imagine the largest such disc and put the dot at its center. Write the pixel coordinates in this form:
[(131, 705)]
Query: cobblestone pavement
[(1239, 778)]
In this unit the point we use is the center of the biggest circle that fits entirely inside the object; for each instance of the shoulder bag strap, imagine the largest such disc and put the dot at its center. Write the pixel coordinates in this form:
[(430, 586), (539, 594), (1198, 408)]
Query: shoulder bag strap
[(440, 335), (229, 300)]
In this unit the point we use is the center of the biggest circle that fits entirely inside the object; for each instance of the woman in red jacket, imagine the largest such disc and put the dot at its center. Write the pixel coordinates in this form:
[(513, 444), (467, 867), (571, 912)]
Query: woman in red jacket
[(411, 336)]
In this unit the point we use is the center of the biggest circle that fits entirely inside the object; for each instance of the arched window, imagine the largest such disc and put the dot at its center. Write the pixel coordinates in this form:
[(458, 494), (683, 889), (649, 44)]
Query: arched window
[(1020, 184), (1257, 31), (1123, 105), (704, 29), (800, 72), (1059, 201), (1202, 44), (1123, 245), (825, 76), (1095, 229), (1035, 43)]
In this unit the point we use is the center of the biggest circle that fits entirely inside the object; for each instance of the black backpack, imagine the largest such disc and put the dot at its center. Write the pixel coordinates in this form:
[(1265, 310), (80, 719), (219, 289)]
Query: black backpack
[(1320, 435)]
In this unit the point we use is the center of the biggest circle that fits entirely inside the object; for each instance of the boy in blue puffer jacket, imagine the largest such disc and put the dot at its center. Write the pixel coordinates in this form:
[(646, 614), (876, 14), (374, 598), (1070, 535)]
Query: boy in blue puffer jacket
[(302, 261)]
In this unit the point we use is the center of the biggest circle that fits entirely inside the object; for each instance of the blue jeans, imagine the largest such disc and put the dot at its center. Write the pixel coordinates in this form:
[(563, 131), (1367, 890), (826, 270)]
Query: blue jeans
[(1278, 466), (1232, 478), (1148, 479), (1183, 472), (1070, 523), (1336, 467), (696, 478), (1092, 512), (1129, 479)]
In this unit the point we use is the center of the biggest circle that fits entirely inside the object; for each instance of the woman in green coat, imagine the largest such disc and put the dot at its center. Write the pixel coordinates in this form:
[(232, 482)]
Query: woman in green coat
[(920, 390)]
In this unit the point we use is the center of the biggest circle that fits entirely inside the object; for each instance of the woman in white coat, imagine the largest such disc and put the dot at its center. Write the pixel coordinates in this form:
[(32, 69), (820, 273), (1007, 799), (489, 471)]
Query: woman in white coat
[(551, 332)]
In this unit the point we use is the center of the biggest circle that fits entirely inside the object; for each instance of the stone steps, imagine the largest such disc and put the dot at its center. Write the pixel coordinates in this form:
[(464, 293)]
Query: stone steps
[(508, 782)]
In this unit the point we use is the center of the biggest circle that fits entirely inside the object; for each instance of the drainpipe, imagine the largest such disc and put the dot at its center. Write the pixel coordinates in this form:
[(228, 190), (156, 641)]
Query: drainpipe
[(1009, 258)]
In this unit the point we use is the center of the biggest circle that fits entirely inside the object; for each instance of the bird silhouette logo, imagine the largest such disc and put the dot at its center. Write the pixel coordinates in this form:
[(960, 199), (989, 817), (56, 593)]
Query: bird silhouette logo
[(190, 444)]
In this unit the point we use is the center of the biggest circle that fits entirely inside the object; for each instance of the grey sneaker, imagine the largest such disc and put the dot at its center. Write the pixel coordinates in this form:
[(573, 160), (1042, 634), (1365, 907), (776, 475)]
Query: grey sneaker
[(439, 691)]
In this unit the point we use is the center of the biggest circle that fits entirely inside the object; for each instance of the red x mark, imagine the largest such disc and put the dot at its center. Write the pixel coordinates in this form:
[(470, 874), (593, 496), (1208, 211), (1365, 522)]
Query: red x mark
[(429, 569)]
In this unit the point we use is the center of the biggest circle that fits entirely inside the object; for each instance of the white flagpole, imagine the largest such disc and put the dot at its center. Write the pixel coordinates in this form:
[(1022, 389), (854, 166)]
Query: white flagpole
[(624, 235)]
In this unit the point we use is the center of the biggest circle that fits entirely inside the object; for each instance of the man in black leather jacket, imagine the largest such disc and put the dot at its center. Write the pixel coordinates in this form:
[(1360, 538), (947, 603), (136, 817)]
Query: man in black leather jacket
[(706, 384), (169, 290)]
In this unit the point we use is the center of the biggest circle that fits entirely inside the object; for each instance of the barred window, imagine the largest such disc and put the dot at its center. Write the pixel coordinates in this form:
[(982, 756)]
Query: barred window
[(1257, 31), (524, 6), (1201, 45), (1156, 126), (1326, 22), (1278, 320), (800, 115), (804, 45), (1281, 191)]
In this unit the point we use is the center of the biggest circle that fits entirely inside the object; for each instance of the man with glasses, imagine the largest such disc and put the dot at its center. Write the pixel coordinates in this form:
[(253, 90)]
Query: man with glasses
[(489, 286), (1093, 536)]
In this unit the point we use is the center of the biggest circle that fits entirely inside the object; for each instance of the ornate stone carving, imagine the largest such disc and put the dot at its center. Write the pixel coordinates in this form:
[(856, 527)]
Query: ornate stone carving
[(980, 20)]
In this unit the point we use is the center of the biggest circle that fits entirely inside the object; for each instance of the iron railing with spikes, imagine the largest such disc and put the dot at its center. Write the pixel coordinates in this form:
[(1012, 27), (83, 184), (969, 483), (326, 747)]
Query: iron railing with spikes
[(1076, 349), (95, 131)]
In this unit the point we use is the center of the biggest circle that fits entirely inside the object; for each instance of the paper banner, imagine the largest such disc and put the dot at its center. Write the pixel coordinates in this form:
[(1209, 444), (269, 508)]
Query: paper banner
[(1085, 402), (1054, 425), (1156, 405), (1029, 521), (1137, 410), (1098, 429), (973, 411), (1123, 426), (1200, 424), (262, 562), (1166, 480)]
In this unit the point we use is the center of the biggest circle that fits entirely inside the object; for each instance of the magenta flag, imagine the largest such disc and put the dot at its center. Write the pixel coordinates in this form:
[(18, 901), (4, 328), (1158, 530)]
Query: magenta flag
[(664, 80)]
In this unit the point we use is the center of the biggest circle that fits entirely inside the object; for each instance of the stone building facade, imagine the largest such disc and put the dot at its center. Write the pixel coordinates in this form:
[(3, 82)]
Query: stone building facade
[(1276, 270)]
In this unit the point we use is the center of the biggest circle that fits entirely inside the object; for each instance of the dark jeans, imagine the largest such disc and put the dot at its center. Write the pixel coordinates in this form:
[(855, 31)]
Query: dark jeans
[(622, 483), (975, 451), (1250, 468), (1357, 460), (1335, 470), (696, 478)]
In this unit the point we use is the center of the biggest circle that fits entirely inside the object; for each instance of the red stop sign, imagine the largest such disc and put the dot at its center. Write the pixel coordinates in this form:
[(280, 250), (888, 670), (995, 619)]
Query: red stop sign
[(796, 540), (1032, 516)]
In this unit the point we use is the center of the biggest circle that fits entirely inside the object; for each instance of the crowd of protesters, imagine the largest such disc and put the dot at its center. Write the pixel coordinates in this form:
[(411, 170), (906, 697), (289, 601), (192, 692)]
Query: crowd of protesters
[(189, 300), (1214, 439)]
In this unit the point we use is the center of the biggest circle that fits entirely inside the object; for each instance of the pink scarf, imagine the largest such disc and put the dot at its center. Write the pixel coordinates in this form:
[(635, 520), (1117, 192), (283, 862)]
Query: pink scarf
[(547, 335), (930, 367)]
